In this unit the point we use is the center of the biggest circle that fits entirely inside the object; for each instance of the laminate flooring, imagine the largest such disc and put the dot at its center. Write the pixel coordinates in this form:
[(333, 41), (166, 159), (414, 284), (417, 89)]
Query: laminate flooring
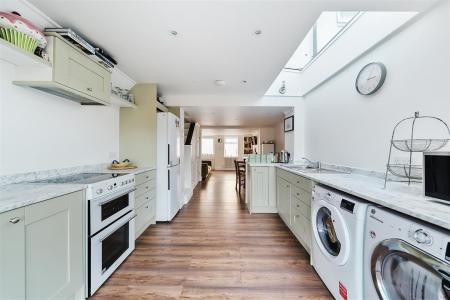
[(214, 249)]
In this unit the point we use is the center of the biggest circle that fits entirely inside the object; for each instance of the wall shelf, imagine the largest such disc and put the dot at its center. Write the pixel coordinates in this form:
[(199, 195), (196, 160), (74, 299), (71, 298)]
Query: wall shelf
[(161, 107), (117, 101), (19, 57)]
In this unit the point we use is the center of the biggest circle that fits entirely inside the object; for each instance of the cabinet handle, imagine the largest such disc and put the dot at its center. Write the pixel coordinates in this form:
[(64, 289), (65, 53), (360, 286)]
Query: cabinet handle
[(298, 205), (14, 220), (298, 194), (89, 89)]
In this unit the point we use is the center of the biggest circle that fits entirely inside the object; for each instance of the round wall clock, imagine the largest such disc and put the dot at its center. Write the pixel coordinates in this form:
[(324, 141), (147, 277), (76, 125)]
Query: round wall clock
[(370, 78)]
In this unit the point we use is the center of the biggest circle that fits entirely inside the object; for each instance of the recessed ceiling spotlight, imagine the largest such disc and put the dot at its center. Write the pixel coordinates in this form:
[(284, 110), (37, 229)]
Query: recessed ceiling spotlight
[(173, 32), (220, 82), (258, 31)]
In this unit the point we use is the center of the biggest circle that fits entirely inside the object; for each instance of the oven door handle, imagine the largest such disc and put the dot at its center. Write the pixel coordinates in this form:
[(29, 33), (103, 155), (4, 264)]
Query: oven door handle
[(128, 220), (115, 196)]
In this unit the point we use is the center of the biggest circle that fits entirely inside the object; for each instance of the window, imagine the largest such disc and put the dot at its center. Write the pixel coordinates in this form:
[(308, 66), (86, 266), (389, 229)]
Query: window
[(230, 148), (207, 146), (327, 28)]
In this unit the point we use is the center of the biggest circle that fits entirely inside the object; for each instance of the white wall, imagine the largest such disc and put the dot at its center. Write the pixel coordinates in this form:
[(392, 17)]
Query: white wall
[(39, 131), (279, 136), (345, 128)]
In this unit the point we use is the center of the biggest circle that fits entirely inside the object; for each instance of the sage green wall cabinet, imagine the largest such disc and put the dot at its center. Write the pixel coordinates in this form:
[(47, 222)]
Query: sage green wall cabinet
[(72, 75), (294, 204), (261, 189), (145, 201), (43, 256)]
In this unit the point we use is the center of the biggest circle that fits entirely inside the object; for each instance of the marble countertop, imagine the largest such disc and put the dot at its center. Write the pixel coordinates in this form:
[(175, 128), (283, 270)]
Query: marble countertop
[(130, 171), (264, 164), (397, 196), (22, 194), (17, 195)]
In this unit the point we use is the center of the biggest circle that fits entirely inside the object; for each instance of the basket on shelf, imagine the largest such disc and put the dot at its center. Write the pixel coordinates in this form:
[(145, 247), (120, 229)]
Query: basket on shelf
[(419, 145), (19, 39), (20, 32), (407, 171)]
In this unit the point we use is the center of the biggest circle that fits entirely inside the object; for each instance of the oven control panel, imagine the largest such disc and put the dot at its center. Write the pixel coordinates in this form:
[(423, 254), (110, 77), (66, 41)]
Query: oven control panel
[(106, 187)]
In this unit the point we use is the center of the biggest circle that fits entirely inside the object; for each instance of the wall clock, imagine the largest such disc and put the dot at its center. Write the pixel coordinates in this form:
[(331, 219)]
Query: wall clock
[(370, 78)]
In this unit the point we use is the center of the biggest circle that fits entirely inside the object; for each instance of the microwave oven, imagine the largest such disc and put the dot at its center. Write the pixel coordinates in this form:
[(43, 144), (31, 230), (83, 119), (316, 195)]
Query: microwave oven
[(436, 175)]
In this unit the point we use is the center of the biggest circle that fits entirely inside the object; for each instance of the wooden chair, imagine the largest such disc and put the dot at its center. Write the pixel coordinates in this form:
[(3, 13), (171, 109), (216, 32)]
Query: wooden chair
[(240, 175), (236, 171)]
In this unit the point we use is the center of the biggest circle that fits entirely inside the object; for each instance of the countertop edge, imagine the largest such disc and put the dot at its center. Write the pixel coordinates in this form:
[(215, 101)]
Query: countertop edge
[(53, 192)]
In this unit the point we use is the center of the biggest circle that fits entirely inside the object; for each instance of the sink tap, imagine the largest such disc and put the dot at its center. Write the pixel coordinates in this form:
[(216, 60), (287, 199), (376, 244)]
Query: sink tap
[(312, 164)]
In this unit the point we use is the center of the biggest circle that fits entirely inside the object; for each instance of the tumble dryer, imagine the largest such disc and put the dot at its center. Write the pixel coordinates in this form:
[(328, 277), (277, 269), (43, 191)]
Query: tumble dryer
[(405, 258)]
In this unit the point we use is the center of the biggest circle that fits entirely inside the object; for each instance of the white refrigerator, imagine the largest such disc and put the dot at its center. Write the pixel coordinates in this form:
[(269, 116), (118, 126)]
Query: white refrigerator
[(168, 147)]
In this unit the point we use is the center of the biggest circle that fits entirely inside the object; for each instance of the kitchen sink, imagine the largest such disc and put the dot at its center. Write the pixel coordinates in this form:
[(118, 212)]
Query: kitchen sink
[(307, 169)]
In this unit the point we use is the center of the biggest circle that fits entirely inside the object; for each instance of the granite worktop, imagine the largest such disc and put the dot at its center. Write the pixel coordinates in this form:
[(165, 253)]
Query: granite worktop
[(130, 171), (397, 196), (264, 164), (19, 192), (17, 195)]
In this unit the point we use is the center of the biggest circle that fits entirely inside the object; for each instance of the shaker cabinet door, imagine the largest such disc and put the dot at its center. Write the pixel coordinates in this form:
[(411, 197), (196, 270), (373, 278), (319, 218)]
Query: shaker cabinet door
[(12, 255), (77, 71), (284, 199), (54, 243), (260, 187)]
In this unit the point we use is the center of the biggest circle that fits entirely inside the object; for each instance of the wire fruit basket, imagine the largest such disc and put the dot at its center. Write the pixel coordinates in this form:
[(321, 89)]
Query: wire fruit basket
[(419, 145), (407, 172)]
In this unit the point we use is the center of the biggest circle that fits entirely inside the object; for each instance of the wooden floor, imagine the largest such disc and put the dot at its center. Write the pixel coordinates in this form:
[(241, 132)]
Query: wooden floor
[(214, 249)]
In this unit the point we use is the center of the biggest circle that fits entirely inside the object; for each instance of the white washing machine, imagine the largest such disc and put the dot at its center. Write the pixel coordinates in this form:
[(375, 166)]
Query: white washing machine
[(337, 244), (404, 258)]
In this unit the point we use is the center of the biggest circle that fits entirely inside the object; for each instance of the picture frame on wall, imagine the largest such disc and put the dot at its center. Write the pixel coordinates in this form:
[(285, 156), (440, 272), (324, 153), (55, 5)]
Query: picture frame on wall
[(289, 124)]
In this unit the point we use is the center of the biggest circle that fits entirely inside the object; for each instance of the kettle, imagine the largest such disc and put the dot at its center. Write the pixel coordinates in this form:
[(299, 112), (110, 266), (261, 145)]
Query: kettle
[(285, 156)]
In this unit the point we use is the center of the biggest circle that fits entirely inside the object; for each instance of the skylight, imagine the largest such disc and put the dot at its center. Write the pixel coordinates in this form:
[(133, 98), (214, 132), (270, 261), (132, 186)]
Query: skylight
[(325, 30)]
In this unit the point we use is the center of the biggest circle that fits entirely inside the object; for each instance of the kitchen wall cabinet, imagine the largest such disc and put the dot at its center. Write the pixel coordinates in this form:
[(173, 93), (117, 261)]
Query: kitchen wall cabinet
[(74, 69), (73, 75), (261, 186), (145, 201), (294, 204), (138, 127), (42, 252)]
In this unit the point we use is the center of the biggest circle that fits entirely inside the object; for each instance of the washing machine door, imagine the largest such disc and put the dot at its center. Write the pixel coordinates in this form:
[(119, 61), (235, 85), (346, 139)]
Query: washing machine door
[(402, 271), (331, 232)]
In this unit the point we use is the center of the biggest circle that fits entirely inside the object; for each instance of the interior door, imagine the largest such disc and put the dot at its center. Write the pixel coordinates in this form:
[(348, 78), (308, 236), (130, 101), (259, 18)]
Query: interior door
[(402, 271)]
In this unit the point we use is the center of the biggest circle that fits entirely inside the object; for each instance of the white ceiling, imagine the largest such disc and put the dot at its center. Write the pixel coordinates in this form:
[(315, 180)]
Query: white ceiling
[(215, 39), (234, 116)]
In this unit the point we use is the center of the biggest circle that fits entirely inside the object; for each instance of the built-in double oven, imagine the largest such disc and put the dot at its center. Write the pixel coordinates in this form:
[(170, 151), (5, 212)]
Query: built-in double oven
[(111, 235)]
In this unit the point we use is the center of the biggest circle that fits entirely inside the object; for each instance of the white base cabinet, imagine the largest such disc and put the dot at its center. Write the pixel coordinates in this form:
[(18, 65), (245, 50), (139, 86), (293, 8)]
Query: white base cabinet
[(42, 250), (261, 189), (294, 204)]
